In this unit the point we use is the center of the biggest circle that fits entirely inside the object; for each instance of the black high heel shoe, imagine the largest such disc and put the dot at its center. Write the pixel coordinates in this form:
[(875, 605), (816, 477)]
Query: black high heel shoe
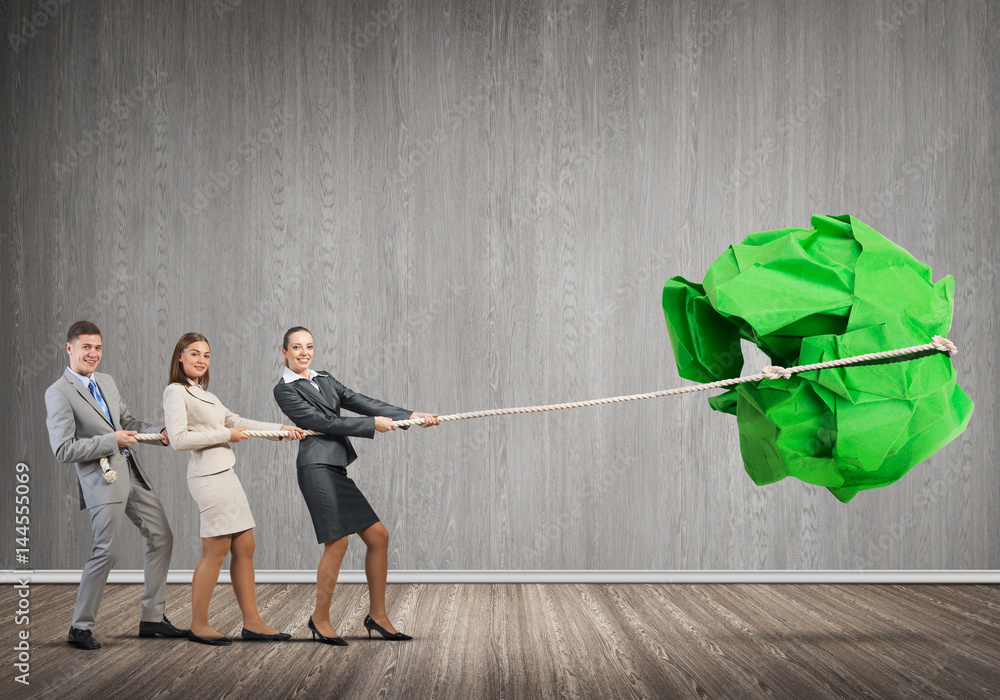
[(335, 641), (370, 625)]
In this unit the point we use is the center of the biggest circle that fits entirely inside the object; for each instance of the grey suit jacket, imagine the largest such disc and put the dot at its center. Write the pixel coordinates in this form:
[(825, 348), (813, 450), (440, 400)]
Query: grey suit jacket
[(320, 411), (80, 432)]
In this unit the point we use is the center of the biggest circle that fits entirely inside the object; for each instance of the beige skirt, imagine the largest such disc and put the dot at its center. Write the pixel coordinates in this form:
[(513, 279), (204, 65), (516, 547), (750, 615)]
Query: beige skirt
[(222, 502)]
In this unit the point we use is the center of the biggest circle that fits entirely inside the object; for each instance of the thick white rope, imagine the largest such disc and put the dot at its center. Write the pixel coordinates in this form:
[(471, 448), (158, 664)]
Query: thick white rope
[(768, 372)]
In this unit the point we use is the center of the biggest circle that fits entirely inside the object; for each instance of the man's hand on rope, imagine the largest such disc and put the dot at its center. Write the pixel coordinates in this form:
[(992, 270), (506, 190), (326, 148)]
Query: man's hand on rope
[(124, 438)]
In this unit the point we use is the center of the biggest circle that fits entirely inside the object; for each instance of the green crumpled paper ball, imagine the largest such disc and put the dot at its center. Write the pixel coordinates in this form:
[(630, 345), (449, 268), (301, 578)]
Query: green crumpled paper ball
[(812, 295)]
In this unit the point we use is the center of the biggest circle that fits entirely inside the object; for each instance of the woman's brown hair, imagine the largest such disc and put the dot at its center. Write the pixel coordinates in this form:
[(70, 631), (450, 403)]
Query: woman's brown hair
[(177, 375)]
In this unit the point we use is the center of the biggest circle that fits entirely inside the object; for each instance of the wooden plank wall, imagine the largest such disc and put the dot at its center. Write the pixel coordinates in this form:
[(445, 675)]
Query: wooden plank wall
[(475, 204)]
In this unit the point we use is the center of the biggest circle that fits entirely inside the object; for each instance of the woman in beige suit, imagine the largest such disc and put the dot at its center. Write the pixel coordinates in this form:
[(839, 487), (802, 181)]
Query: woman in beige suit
[(197, 421)]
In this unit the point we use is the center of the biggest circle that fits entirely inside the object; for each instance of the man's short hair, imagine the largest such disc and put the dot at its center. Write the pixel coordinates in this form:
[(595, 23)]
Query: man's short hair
[(82, 328)]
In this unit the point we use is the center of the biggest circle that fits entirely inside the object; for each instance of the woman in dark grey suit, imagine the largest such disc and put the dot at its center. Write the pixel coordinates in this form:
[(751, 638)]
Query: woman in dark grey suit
[(312, 401)]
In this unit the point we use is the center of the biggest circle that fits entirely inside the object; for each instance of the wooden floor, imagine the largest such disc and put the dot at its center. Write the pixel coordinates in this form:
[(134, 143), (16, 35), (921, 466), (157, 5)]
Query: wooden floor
[(536, 641)]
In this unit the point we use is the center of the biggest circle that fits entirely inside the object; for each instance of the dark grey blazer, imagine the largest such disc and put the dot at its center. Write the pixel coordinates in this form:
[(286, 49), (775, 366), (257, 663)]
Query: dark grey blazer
[(320, 411)]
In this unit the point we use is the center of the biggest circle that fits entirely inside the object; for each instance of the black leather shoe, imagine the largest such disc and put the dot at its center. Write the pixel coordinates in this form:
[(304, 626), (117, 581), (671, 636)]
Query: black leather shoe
[(220, 642), (162, 628), (370, 625), (276, 637), (82, 639), (335, 641)]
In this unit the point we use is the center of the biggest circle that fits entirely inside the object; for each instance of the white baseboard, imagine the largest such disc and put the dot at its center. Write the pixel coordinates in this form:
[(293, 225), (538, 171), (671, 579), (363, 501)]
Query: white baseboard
[(558, 576)]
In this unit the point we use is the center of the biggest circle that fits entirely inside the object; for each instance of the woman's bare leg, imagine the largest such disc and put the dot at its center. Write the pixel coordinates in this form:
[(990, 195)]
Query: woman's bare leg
[(376, 539), (206, 575), (326, 580), (242, 572)]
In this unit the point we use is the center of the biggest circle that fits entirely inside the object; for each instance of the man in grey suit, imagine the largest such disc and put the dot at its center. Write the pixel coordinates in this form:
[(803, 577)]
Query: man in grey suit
[(87, 420)]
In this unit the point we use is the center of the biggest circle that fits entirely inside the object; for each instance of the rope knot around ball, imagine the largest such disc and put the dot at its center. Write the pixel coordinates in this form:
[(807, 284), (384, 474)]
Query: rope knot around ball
[(775, 372), (944, 345)]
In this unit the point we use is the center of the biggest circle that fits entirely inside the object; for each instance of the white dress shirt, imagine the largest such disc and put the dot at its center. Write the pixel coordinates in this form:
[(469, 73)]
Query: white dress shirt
[(289, 376)]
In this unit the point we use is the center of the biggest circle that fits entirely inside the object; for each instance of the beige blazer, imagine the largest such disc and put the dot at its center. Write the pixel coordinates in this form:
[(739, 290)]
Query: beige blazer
[(198, 422)]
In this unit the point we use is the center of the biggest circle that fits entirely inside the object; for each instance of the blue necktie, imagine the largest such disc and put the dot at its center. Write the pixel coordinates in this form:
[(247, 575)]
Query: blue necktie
[(104, 406), (100, 400)]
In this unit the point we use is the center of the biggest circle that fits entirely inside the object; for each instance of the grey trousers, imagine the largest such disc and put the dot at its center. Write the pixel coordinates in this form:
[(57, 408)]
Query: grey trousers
[(144, 509)]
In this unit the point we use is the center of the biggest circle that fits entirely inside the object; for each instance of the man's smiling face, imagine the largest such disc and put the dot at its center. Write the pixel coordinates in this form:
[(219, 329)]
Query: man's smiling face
[(84, 354)]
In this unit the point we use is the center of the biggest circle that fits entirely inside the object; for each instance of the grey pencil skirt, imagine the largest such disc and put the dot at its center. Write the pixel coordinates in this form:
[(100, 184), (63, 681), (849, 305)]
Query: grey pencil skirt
[(336, 505)]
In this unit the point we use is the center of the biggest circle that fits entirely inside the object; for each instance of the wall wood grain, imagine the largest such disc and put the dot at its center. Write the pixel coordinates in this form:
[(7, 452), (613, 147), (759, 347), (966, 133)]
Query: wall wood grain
[(472, 205)]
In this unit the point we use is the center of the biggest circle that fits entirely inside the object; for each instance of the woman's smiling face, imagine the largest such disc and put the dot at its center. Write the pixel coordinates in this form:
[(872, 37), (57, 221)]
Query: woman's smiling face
[(194, 360), (299, 354)]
